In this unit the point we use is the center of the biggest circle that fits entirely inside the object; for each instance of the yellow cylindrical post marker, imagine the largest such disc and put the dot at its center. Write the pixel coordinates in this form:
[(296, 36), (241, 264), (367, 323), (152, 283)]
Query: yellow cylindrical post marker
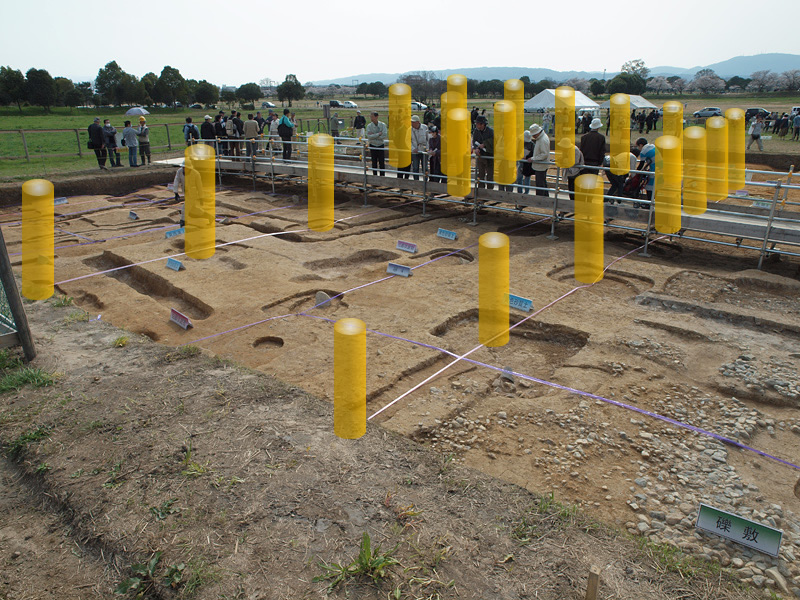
[(673, 119), (736, 143), (717, 158), (620, 134), (349, 378), (400, 125), (200, 207), (448, 101), (493, 275), (565, 126), (320, 182), (458, 152), (458, 83), (38, 243), (589, 228), (667, 196), (514, 91), (695, 200), (505, 142)]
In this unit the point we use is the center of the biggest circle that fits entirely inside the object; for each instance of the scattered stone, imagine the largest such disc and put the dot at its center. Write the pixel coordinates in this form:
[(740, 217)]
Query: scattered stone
[(322, 300)]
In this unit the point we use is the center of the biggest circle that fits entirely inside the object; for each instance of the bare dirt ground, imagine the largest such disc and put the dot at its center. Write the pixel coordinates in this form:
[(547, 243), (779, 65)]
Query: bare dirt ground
[(236, 475)]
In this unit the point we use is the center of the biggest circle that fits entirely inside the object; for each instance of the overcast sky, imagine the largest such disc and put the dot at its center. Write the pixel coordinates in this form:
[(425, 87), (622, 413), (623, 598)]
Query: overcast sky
[(235, 43)]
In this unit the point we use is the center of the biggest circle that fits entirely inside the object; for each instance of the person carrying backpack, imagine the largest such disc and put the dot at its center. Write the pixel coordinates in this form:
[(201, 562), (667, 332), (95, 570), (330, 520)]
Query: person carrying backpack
[(190, 132), (233, 134)]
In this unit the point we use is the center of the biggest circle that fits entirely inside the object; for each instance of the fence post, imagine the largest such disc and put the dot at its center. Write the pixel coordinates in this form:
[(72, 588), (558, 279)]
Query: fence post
[(169, 142), (25, 145), (78, 137)]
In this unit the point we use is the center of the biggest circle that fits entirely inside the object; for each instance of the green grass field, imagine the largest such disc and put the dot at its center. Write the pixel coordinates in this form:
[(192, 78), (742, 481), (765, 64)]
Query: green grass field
[(44, 145)]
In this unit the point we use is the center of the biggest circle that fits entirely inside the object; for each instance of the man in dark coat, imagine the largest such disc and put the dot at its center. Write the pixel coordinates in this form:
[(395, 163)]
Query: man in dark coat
[(97, 143), (593, 147)]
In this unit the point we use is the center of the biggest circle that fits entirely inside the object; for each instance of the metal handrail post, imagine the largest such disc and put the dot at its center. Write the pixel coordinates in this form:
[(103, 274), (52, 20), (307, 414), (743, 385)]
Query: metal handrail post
[(650, 215), (769, 223), (219, 166), (272, 165), (424, 182), (475, 202), (364, 164), (554, 218), (253, 162), (788, 183)]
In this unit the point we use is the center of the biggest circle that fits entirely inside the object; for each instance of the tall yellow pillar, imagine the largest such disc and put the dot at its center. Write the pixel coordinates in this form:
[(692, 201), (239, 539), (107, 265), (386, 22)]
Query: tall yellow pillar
[(320, 182), (38, 243), (695, 199), (514, 91), (736, 146), (400, 125), (458, 83), (673, 119), (620, 134), (200, 207), (349, 378), (717, 158), (589, 228), (493, 275), (565, 126), (459, 181), (448, 101), (505, 142), (667, 195)]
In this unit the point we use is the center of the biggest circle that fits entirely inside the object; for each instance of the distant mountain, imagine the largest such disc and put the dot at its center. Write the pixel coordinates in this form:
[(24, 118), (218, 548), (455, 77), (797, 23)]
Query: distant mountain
[(739, 65)]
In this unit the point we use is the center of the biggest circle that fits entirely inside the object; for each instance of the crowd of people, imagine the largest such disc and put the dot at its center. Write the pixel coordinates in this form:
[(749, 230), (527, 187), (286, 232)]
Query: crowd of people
[(106, 144)]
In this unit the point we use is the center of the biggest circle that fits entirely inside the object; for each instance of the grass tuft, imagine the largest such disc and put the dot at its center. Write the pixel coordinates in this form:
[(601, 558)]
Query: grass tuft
[(19, 445), (120, 342), (33, 376), (370, 563)]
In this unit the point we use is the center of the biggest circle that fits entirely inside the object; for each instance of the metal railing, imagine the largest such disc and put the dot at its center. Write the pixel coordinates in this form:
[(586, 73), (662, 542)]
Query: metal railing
[(351, 159)]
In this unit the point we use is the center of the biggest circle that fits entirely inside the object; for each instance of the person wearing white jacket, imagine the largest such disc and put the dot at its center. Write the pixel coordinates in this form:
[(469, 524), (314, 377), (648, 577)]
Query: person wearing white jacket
[(540, 159), (419, 144)]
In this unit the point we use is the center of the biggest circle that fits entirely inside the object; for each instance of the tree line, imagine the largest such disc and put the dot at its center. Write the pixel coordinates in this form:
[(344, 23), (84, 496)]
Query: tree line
[(114, 87)]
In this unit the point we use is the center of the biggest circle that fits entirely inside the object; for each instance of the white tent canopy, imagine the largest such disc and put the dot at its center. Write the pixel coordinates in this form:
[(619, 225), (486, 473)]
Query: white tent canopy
[(546, 100), (637, 102)]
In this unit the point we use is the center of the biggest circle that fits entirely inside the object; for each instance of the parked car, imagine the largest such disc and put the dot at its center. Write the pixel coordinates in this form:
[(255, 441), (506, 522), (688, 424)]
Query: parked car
[(335, 104), (349, 104), (418, 105), (196, 106), (795, 110), (267, 105), (754, 112), (708, 111)]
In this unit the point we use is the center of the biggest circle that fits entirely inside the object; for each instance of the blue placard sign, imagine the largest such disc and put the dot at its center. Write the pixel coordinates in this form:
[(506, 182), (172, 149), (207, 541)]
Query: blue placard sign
[(174, 264), (395, 269), (446, 234), (173, 232), (133, 216), (406, 246), (59, 201), (520, 303)]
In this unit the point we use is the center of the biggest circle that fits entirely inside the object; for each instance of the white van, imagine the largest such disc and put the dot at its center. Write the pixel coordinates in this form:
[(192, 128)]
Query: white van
[(795, 110)]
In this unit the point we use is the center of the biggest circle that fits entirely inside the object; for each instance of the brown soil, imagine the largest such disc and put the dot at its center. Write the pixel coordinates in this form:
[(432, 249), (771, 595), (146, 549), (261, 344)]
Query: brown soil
[(263, 488)]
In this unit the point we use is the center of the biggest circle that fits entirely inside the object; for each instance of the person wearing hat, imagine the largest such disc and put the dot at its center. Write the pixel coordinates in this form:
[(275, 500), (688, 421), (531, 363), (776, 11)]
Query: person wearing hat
[(97, 143), (525, 169), (419, 144), (359, 125), (540, 158), (143, 133), (483, 148), (207, 132), (435, 154), (593, 146)]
